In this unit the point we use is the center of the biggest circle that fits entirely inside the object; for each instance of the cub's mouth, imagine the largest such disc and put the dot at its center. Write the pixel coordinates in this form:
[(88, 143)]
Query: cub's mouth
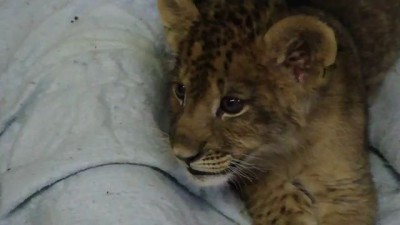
[(211, 168), (202, 173)]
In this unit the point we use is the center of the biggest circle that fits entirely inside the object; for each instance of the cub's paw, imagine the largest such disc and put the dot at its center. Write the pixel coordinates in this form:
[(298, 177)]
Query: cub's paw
[(288, 220), (301, 220)]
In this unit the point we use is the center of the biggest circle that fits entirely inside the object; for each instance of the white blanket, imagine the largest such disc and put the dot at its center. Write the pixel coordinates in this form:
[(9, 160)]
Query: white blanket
[(81, 114), (384, 133)]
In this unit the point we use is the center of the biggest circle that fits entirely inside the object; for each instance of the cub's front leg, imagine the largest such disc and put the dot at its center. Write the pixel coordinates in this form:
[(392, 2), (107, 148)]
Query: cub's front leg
[(276, 201), (280, 204)]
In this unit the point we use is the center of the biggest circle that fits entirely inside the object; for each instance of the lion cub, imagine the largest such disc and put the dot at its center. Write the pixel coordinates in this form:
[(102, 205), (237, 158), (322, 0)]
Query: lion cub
[(270, 99)]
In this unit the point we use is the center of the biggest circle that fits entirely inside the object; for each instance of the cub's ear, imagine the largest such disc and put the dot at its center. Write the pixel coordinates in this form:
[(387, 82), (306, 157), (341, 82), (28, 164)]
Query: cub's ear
[(177, 16), (302, 44)]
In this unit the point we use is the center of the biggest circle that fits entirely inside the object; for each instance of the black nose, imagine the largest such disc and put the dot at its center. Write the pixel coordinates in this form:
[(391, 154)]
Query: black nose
[(192, 158)]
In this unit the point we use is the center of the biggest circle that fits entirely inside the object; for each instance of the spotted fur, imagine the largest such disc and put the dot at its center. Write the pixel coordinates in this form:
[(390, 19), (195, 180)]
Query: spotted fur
[(296, 148)]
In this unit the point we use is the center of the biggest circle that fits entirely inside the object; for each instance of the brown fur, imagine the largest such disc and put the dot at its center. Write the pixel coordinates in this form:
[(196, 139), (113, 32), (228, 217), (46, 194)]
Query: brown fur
[(297, 149)]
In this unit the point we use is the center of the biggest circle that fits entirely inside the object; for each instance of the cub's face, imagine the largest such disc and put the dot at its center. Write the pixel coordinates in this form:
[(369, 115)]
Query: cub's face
[(239, 100), (223, 117)]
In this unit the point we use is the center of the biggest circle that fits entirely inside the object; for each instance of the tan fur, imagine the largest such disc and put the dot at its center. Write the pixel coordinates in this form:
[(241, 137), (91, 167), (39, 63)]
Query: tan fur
[(297, 148)]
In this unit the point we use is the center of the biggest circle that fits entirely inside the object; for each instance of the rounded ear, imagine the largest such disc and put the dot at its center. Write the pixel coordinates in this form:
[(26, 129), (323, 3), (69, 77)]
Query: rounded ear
[(177, 17), (300, 43)]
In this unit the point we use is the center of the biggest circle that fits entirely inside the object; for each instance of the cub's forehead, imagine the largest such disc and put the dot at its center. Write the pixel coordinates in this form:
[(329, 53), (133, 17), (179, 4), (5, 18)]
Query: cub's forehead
[(199, 58), (218, 51), (236, 77)]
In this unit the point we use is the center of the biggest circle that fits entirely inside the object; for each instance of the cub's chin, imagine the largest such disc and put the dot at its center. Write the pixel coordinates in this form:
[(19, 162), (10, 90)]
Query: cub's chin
[(208, 180)]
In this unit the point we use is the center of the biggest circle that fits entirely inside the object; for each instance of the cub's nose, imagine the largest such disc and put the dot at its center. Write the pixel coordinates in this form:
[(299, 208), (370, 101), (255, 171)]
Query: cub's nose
[(188, 155), (190, 159)]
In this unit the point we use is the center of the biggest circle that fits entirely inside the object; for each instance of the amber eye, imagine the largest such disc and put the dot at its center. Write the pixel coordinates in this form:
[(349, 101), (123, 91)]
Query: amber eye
[(179, 90), (231, 105)]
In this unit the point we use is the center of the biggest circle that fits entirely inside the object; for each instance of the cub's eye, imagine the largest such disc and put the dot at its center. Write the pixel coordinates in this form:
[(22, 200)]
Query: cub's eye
[(179, 90), (231, 105)]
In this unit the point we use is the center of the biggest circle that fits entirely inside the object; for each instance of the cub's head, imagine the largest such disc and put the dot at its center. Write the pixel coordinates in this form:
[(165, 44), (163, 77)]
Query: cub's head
[(243, 85)]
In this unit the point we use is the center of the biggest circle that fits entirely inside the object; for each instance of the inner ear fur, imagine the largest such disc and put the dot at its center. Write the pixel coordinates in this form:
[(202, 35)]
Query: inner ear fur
[(177, 17), (301, 42)]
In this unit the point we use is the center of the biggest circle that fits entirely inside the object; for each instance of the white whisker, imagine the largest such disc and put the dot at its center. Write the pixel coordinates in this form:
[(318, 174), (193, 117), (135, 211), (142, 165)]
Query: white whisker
[(246, 171)]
